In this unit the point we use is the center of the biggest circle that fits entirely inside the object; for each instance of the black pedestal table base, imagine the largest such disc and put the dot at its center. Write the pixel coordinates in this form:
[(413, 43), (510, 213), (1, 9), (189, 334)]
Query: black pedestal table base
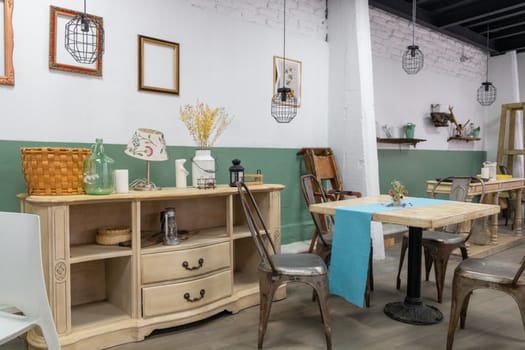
[(418, 314)]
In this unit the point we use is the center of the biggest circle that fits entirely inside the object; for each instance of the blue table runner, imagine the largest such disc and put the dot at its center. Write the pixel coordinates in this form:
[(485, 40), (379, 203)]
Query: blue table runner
[(351, 246)]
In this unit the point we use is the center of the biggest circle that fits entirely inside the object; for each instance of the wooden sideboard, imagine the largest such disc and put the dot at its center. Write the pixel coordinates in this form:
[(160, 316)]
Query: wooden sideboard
[(103, 296)]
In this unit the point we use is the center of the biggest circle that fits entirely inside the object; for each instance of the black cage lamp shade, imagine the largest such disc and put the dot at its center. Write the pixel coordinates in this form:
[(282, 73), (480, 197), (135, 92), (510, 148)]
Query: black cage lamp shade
[(413, 59), (81, 35), (284, 105), (486, 93)]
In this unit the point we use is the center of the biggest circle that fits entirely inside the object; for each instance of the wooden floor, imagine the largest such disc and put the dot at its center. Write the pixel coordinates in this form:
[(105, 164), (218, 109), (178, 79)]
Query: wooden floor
[(493, 321)]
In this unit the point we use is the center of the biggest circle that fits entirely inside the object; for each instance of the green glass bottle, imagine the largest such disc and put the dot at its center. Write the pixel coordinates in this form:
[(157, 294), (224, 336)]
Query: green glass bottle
[(98, 171)]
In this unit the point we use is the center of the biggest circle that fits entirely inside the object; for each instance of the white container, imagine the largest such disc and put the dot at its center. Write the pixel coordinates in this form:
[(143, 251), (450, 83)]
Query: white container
[(121, 180), (492, 169), (202, 167), (485, 173), (180, 173)]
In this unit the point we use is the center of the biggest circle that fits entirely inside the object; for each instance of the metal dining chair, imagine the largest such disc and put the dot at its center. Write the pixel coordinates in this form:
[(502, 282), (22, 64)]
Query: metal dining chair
[(438, 245), (472, 274), (276, 269), (313, 193)]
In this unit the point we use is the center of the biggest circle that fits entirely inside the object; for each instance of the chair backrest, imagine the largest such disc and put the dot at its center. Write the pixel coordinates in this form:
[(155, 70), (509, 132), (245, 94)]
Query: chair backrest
[(459, 192), (314, 193), (261, 237), (21, 273), (321, 163)]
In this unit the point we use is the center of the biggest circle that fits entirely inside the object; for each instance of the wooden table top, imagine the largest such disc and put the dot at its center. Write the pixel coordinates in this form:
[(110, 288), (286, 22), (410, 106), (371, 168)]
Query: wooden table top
[(432, 216), (491, 186)]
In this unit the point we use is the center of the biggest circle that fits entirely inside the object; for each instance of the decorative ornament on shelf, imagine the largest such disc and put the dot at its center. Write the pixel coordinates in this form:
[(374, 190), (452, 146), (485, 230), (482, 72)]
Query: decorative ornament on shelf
[(81, 35), (413, 59), (205, 125), (397, 192)]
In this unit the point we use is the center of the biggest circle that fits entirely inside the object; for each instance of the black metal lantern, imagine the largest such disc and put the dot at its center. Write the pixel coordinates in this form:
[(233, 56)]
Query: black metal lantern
[(486, 92), (284, 103), (236, 172), (81, 38), (413, 59)]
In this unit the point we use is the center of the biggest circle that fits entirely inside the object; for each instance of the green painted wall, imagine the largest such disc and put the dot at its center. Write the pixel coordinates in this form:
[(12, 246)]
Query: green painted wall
[(281, 166), (414, 167)]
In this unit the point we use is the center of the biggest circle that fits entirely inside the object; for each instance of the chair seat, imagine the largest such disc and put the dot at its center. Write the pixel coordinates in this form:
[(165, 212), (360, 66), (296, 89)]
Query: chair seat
[(441, 237), (299, 264), (490, 271)]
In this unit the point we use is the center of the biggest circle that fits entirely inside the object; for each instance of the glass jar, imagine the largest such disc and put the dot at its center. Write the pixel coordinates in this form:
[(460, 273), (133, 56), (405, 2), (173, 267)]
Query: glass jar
[(98, 171)]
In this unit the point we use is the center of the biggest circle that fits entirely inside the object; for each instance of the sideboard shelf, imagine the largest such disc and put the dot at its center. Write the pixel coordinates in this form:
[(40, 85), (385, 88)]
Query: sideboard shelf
[(400, 141), (102, 296), (463, 138)]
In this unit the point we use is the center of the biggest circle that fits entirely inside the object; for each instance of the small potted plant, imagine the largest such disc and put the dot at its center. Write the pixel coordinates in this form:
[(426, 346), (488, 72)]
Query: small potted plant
[(397, 192)]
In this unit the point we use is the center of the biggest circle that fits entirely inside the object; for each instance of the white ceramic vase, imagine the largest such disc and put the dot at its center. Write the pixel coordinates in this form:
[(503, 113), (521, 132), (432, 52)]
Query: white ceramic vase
[(202, 167)]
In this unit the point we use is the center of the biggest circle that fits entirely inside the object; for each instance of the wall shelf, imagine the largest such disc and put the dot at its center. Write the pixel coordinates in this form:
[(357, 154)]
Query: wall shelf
[(463, 138), (400, 141)]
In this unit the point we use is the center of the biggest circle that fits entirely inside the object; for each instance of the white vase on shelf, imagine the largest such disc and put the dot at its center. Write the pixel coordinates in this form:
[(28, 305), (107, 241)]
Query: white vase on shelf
[(202, 167)]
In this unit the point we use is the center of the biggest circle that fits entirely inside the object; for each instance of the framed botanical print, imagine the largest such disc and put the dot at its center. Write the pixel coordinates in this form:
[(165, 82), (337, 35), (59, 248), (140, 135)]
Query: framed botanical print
[(287, 75)]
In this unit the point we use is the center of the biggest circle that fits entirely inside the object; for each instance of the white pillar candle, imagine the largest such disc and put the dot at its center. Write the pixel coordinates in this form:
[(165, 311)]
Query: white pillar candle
[(121, 181), (485, 173)]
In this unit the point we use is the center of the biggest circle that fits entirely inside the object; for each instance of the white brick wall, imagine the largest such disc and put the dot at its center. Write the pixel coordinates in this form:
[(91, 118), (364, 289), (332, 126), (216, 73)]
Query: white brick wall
[(306, 17), (391, 35)]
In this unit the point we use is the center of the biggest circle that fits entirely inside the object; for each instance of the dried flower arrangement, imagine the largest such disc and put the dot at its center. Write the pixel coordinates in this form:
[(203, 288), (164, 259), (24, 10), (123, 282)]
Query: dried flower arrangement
[(205, 124), (397, 192)]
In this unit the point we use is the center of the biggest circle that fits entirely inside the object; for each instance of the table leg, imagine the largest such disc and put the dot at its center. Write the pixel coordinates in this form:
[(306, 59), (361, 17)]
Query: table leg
[(517, 214), (413, 310), (494, 221)]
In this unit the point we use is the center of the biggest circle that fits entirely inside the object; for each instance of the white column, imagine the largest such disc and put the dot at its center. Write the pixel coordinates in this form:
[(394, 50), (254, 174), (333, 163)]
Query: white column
[(351, 117)]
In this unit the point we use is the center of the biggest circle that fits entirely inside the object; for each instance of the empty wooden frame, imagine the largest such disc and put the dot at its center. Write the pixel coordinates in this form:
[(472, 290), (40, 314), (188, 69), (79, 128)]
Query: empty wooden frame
[(158, 65), (7, 74)]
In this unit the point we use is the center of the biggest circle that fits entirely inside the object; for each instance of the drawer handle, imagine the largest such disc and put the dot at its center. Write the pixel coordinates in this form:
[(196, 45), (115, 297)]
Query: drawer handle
[(186, 265), (191, 300)]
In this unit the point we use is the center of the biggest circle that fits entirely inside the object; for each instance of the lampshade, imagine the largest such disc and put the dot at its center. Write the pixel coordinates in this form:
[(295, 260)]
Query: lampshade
[(147, 144), (82, 34)]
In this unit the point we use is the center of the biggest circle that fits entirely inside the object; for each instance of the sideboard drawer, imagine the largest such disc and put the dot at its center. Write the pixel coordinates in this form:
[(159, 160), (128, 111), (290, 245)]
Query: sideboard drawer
[(184, 263), (183, 296)]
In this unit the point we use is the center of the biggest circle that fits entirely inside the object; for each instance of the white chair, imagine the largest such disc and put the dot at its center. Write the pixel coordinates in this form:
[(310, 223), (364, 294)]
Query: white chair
[(22, 279)]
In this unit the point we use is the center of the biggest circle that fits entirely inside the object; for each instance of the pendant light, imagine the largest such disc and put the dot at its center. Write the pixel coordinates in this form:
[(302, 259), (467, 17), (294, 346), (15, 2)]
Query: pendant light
[(487, 91), (413, 58), (284, 103), (82, 33)]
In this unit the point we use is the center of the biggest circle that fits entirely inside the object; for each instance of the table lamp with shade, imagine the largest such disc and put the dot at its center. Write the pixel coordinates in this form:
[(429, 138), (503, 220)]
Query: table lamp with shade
[(148, 145)]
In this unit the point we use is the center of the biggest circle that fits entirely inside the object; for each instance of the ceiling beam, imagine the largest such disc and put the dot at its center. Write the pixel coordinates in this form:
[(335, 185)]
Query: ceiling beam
[(512, 43), (508, 33), (404, 9), (483, 10)]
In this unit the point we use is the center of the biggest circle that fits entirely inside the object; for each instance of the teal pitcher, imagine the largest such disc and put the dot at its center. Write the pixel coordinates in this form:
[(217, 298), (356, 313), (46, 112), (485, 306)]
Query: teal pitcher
[(409, 130)]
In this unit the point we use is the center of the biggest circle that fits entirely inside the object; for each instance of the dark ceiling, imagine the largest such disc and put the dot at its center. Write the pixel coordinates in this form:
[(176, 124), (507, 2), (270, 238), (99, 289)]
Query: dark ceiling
[(468, 20)]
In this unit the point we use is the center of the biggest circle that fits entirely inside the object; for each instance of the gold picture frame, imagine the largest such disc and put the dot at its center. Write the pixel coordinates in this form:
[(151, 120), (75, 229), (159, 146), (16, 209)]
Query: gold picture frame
[(59, 58), (158, 65), (7, 77), (293, 69)]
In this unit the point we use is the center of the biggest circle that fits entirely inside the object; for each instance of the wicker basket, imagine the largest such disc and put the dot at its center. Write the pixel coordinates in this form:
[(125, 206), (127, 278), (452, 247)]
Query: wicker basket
[(54, 171)]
